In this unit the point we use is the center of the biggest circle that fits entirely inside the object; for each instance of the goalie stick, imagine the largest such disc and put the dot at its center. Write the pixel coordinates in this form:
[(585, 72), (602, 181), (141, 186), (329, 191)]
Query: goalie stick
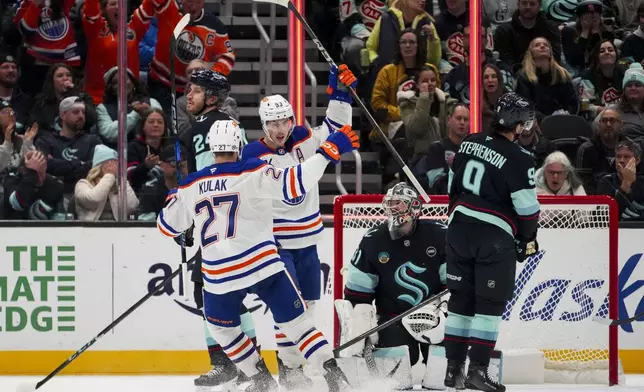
[(618, 322), (288, 4), (370, 359), (387, 323), (177, 146), (26, 387)]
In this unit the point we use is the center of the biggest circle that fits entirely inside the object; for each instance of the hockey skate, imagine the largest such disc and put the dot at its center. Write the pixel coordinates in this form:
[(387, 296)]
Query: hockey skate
[(262, 381), (223, 371), (455, 375), (335, 378), (479, 380), (293, 379)]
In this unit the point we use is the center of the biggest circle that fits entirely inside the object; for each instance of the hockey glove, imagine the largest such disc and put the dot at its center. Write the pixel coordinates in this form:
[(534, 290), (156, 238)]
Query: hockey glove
[(188, 238), (340, 79), (341, 141), (525, 249)]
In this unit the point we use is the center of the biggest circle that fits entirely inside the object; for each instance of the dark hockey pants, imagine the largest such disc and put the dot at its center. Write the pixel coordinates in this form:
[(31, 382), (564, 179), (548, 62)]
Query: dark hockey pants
[(481, 266)]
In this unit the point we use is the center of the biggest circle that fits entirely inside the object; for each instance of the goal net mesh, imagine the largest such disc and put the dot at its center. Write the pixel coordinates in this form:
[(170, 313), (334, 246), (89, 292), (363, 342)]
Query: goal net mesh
[(558, 291)]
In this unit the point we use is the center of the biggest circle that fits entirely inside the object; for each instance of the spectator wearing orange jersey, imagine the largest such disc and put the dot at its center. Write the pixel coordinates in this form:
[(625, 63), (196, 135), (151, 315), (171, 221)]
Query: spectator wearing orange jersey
[(49, 38), (205, 38), (101, 32)]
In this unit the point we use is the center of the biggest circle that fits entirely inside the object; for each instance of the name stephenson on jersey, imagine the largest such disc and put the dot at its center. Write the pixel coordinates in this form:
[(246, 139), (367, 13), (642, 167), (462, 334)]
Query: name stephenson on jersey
[(297, 223), (398, 274), (492, 180)]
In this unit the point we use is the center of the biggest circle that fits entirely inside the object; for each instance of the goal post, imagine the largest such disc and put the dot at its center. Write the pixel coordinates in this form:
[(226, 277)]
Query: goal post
[(558, 292)]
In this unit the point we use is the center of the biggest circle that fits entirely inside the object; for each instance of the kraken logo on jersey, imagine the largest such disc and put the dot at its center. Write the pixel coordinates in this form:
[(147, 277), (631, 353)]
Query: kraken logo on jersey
[(295, 201), (414, 285)]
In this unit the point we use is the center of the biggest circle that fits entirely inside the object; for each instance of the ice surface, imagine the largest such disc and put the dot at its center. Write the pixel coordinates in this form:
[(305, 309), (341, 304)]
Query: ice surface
[(184, 384)]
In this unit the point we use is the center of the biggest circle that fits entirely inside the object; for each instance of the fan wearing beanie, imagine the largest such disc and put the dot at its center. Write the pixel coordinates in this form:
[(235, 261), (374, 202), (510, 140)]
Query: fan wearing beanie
[(631, 104), (96, 196)]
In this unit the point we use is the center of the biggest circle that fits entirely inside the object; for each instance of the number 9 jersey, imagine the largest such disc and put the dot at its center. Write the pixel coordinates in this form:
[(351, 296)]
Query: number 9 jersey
[(492, 180)]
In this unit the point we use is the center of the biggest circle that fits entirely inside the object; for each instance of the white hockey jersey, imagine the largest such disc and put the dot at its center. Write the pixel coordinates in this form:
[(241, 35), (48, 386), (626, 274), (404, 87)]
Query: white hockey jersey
[(297, 223), (230, 204)]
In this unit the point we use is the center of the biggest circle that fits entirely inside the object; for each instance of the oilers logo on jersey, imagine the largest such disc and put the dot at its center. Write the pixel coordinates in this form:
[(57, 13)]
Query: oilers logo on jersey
[(301, 227), (295, 202)]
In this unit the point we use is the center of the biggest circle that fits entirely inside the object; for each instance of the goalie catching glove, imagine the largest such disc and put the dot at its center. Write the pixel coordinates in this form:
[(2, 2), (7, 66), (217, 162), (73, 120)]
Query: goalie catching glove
[(525, 249), (341, 141), (427, 324), (355, 321)]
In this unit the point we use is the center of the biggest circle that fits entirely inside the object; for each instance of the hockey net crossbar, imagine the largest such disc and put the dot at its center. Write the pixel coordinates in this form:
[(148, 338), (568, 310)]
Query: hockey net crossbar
[(558, 291)]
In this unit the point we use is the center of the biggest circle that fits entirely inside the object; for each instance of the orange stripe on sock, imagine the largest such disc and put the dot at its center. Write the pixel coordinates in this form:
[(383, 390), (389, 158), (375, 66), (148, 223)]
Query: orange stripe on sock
[(240, 348), (309, 340)]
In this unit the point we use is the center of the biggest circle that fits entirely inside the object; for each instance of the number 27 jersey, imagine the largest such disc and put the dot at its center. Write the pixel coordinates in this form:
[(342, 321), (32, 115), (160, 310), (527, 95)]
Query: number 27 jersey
[(492, 180)]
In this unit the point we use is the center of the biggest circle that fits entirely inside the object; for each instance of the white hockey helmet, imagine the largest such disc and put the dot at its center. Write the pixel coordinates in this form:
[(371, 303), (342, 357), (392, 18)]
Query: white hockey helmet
[(225, 136), (275, 107)]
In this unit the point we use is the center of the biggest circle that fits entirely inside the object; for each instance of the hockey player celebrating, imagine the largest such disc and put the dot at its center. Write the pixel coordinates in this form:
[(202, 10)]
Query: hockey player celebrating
[(493, 220), (399, 263), (230, 205), (297, 223)]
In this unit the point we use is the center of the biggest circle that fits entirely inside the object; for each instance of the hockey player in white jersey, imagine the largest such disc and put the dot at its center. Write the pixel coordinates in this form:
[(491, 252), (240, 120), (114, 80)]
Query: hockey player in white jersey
[(297, 223), (230, 205)]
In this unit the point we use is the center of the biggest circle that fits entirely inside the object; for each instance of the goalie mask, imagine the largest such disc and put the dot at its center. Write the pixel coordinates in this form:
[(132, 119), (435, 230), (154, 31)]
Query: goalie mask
[(402, 206)]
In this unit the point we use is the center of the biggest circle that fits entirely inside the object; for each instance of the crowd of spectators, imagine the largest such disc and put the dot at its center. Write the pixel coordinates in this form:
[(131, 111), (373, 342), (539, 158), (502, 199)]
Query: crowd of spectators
[(59, 104), (578, 61)]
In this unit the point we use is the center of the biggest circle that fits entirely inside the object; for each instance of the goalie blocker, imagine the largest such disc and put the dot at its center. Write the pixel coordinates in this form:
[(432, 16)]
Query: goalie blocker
[(398, 264)]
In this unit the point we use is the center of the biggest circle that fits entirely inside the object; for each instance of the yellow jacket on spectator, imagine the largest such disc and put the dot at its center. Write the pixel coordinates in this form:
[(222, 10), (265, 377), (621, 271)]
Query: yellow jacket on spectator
[(385, 89), (434, 51)]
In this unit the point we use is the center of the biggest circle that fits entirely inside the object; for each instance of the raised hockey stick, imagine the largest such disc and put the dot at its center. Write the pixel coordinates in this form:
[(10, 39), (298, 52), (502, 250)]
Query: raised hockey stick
[(177, 146), (387, 323), (288, 4), (609, 322), (28, 387)]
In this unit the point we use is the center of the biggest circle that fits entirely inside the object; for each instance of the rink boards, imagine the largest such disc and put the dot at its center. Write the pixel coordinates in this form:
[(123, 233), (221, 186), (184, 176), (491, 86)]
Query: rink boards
[(59, 286)]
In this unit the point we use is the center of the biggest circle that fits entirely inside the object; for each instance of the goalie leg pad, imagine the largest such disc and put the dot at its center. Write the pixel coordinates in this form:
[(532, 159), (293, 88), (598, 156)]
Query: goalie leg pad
[(393, 367), (354, 322)]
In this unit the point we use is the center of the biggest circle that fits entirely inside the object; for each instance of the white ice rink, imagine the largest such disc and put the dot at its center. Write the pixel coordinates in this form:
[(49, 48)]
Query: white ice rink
[(184, 384)]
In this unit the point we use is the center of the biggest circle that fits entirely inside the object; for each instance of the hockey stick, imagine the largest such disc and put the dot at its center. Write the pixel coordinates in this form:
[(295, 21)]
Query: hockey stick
[(367, 354), (28, 387), (370, 359), (177, 146), (288, 4), (609, 322), (387, 323)]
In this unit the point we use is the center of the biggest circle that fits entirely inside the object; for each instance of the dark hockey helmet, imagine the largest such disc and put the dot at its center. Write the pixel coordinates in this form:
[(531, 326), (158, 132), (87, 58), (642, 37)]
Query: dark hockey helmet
[(511, 110), (402, 205), (215, 84)]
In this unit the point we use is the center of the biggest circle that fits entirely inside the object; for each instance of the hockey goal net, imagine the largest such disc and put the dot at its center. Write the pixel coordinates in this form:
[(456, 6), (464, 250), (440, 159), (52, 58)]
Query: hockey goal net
[(558, 292)]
